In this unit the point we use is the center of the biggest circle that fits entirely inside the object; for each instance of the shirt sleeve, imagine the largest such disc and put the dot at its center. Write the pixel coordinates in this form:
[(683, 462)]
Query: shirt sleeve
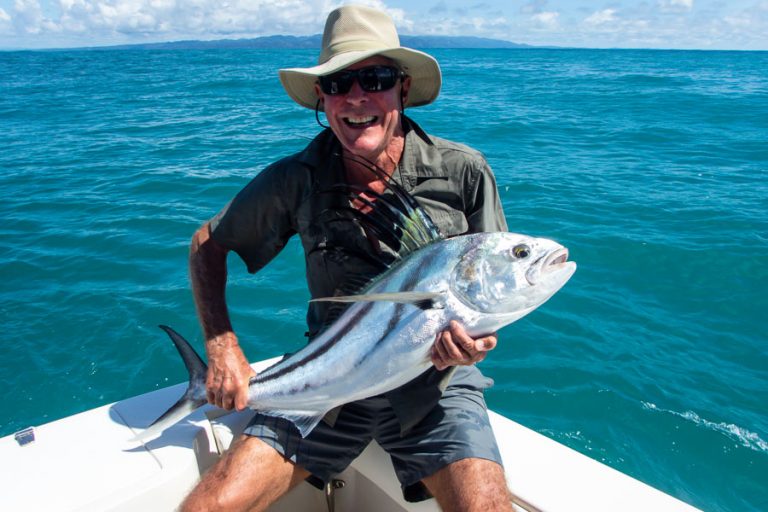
[(485, 213), (258, 222)]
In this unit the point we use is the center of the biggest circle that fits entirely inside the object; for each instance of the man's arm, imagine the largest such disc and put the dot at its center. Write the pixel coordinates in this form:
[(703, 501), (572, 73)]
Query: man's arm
[(228, 368)]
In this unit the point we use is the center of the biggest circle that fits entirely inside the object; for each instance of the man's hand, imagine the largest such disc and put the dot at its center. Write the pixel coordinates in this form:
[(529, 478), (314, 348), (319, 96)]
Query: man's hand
[(228, 373), (454, 347)]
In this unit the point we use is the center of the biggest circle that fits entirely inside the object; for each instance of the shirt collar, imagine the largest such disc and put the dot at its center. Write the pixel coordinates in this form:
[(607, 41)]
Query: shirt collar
[(420, 155)]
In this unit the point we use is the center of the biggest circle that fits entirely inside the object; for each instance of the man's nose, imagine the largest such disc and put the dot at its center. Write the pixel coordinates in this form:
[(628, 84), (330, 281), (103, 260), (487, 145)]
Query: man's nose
[(356, 93)]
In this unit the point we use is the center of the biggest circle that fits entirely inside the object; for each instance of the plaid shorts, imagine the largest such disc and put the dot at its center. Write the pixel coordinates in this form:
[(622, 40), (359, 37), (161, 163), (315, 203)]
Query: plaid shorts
[(457, 428)]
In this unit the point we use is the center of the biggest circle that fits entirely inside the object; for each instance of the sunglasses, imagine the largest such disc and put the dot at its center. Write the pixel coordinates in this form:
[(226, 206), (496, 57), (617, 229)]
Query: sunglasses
[(371, 79)]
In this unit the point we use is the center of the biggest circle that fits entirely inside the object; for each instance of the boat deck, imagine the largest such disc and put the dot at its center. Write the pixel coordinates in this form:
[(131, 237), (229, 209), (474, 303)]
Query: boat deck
[(86, 463)]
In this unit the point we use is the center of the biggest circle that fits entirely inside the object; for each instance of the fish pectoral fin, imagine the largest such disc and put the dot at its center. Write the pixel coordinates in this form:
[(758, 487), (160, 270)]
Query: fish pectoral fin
[(180, 410), (423, 300), (305, 421)]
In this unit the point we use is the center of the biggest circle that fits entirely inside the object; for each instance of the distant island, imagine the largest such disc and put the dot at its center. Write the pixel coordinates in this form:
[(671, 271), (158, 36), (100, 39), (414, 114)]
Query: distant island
[(313, 42)]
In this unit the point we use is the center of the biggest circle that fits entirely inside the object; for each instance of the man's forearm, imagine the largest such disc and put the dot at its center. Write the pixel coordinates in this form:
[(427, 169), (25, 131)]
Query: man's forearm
[(229, 373), (208, 273)]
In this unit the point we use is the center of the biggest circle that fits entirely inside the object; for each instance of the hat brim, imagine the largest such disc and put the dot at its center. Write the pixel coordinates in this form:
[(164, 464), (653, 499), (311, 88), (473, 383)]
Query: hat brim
[(423, 69)]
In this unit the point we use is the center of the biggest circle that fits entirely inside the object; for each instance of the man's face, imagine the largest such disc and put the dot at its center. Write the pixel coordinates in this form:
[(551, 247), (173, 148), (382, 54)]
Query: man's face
[(365, 122)]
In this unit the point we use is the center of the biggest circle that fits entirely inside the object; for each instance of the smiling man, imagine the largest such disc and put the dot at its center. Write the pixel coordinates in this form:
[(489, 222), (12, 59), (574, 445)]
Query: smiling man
[(436, 427)]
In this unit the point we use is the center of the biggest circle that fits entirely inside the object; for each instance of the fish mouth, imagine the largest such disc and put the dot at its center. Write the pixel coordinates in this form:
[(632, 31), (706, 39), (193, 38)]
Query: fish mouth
[(554, 262), (555, 258)]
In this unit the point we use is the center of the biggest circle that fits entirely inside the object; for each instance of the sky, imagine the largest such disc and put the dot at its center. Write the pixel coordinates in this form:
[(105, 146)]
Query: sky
[(683, 24)]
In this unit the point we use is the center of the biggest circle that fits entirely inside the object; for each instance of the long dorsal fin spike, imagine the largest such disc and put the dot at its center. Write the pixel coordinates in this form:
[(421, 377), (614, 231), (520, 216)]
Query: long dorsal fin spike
[(399, 224), (356, 192), (395, 207), (406, 213), (386, 232), (417, 213), (394, 216), (412, 216), (383, 232), (388, 213), (370, 258)]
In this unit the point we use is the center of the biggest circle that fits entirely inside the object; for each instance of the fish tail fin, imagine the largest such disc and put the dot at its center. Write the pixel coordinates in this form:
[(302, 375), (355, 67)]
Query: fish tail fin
[(193, 397)]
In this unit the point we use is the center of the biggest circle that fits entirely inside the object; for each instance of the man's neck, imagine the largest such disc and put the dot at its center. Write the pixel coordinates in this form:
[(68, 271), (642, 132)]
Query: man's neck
[(359, 172)]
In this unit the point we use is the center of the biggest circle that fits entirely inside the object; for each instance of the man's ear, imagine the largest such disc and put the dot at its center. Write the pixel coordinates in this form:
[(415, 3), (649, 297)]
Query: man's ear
[(405, 88)]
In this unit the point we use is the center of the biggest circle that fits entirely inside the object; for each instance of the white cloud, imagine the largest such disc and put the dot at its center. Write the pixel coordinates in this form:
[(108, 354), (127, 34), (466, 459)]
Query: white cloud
[(546, 19), (601, 17), (6, 27), (164, 19), (675, 5), (467, 26), (28, 17), (632, 29), (156, 20), (618, 23), (737, 21), (744, 27)]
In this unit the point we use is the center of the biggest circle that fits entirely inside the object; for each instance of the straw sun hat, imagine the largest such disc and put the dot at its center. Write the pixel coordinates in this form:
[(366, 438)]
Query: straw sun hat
[(354, 33)]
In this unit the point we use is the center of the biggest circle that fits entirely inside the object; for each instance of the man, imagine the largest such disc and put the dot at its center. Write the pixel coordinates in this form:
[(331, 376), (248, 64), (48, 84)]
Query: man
[(436, 431)]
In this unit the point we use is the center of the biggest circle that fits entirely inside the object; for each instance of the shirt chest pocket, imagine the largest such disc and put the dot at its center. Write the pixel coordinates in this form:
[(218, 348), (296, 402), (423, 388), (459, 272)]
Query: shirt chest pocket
[(449, 221), (442, 199)]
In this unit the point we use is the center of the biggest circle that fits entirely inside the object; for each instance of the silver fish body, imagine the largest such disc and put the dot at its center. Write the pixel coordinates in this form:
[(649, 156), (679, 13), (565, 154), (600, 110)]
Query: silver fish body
[(383, 340)]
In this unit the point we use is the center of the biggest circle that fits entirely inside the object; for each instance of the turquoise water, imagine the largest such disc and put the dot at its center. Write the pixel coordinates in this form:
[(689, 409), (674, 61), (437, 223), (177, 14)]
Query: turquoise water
[(651, 166)]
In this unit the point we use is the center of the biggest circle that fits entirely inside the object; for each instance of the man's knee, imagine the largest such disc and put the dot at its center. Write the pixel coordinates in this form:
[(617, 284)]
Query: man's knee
[(251, 475), (470, 484)]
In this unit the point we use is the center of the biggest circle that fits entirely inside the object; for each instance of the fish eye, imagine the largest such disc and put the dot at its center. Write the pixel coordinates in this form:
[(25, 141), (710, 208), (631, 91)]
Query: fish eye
[(521, 251)]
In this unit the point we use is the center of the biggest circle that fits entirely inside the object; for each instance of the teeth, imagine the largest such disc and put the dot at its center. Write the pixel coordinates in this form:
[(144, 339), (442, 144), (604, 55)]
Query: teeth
[(360, 120)]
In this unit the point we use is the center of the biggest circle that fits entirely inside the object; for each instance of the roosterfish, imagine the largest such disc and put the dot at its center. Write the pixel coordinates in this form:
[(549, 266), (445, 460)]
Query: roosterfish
[(383, 338)]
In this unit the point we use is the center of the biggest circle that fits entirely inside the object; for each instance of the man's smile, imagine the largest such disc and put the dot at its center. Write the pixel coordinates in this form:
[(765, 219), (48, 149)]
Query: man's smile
[(361, 121)]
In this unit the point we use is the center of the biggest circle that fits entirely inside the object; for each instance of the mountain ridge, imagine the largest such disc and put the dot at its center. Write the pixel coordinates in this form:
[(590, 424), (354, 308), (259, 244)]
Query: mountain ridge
[(312, 42)]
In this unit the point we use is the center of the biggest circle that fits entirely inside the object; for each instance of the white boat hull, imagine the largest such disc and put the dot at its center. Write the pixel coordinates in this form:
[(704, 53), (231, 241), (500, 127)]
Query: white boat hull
[(86, 463)]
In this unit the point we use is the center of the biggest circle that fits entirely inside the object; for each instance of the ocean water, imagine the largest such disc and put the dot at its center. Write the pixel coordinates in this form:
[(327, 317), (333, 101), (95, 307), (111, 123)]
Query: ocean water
[(651, 166)]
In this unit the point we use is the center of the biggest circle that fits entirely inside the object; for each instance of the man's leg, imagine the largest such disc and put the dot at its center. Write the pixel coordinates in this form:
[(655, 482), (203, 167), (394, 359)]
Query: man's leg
[(470, 485), (250, 476)]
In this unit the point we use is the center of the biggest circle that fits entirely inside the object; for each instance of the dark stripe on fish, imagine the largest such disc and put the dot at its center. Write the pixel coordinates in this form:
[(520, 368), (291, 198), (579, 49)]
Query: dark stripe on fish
[(321, 349), (408, 283), (397, 315)]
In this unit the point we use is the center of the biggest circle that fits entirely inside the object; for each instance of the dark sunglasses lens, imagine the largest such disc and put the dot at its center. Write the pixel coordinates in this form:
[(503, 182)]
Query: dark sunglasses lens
[(338, 83), (377, 78), (371, 79)]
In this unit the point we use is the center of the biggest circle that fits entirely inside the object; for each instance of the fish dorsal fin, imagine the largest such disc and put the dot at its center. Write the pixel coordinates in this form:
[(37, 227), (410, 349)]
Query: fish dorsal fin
[(392, 217), (416, 220)]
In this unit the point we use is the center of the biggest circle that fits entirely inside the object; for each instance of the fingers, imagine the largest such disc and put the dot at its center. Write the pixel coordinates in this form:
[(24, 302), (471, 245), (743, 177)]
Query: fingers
[(241, 398), (227, 387), (455, 347), (228, 393), (447, 351), (486, 343), (222, 391)]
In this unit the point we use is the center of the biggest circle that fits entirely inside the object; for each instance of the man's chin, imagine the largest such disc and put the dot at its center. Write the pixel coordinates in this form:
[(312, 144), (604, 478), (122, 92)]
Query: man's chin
[(365, 148)]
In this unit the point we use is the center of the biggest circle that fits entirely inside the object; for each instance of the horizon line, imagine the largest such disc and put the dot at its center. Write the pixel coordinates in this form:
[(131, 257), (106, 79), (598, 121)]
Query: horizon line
[(503, 45)]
